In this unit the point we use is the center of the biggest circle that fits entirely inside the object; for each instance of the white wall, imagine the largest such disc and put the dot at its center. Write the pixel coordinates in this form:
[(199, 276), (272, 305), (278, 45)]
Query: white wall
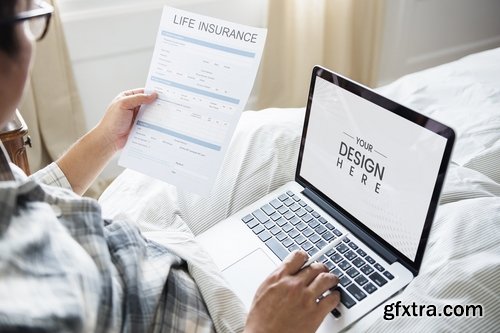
[(423, 33)]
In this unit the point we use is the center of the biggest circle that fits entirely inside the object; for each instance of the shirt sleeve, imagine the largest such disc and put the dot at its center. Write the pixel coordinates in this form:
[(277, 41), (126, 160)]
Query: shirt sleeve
[(52, 175)]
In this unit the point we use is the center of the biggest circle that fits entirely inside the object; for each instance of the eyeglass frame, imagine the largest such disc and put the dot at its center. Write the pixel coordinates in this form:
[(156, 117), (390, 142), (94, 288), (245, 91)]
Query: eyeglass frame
[(44, 9)]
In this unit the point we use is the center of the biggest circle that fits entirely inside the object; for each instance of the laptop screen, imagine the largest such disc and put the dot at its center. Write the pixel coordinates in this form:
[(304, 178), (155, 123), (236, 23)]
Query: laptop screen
[(375, 164)]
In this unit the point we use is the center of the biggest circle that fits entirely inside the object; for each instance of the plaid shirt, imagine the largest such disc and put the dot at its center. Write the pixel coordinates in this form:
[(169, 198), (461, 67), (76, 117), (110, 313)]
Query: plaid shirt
[(62, 268)]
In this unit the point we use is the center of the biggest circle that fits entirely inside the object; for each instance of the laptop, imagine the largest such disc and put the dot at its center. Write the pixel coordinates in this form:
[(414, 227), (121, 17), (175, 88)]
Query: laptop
[(367, 166)]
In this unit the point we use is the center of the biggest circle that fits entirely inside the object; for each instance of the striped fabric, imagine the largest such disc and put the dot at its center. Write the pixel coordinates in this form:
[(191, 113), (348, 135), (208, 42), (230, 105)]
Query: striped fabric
[(462, 259)]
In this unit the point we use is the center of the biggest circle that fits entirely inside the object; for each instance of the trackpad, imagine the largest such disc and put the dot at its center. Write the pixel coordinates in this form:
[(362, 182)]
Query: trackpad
[(246, 275)]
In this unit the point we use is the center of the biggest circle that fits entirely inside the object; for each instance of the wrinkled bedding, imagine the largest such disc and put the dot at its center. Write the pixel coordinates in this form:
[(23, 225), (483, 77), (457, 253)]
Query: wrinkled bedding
[(462, 261)]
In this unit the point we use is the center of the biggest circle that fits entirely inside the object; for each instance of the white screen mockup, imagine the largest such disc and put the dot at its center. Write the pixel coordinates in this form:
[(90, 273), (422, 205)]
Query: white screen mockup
[(378, 166)]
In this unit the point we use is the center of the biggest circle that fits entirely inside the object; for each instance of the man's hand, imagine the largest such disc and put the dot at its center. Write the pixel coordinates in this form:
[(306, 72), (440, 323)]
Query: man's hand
[(119, 117), (287, 301), (87, 157)]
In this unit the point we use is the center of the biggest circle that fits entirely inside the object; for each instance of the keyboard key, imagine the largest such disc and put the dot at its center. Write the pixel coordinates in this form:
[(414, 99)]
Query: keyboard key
[(361, 280), (300, 212), (295, 220), (321, 244), (277, 248), (352, 272), (247, 218), (322, 220), (287, 242), (336, 258), (350, 255), (252, 223), (353, 245), (293, 247), (301, 226), (320, 229), (283, 197), (281, 222), (312, 251), (330, 265), (358, 262), (346, 240), (283, 209), (329, 226), (289, 202), (280, 236), (361, 252), (313, 223), (346, 299), (302, 203), (276, 204), (330, 252), (327, 235), (344, 281), (269, 224), (370, 288), (337, 232), (308, 232), (288, 215), (300, 239), (306, 245), (338, 272), (315, 238), (344, 265), (295, 197), (356, 292), (388, 275), (342, 248), (370, 259), (379, 267), (295, 207), (307, 218), (366, 269), (290, 193), (264, 235), (275, 230), (261, 216), (287, 227), (258, 229), (315, 214), (378, 279), (293, 233), (267, 209), (336, 313), (308, 209), (275, 216)]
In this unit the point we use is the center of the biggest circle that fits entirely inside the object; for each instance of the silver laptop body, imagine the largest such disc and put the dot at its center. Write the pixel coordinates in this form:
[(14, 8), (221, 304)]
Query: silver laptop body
[(367, 166)]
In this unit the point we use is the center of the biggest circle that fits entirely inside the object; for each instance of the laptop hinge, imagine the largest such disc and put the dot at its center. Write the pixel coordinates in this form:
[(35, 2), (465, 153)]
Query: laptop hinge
[(353, 229)]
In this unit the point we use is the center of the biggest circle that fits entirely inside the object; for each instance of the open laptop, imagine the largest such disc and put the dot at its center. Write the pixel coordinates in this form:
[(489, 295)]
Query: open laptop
[(367, 166)]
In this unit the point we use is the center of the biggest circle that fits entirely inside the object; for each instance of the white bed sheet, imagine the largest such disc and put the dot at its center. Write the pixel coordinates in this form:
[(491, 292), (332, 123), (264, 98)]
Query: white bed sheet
[(462, 260)]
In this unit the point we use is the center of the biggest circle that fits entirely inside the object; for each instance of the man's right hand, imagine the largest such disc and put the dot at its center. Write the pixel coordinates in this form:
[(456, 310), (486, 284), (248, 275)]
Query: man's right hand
[(287, 301)]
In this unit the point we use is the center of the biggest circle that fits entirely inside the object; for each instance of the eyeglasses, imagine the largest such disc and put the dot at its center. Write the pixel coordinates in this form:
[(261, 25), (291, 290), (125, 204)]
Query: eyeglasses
[(38, 19)]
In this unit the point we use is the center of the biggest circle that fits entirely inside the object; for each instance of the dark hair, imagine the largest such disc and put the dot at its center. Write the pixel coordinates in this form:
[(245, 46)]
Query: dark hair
[(8, 41)]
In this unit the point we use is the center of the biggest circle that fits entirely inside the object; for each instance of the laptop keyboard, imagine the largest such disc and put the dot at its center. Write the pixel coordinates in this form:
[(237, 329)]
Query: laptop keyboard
[(287, 223)]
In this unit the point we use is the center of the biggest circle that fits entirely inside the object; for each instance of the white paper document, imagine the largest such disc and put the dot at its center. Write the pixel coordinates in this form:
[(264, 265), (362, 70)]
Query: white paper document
[(203, 70)]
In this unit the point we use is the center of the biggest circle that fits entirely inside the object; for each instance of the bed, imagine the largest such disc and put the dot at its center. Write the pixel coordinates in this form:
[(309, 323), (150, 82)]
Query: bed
[(462, 261)]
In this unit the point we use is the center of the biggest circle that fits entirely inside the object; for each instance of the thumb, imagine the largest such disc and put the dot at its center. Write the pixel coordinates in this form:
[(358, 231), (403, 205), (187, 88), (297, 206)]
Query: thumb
[(133, 101)]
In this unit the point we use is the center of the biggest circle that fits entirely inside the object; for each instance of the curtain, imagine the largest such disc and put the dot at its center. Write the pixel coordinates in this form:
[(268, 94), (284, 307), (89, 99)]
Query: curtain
[(342, 35), (51, 106)]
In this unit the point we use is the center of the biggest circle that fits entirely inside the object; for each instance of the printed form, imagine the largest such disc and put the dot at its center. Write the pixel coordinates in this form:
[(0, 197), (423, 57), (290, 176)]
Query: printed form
[(203, 70)]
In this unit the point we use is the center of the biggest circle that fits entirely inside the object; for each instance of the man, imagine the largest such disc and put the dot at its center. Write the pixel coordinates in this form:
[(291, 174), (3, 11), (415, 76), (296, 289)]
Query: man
[(64, 268)]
